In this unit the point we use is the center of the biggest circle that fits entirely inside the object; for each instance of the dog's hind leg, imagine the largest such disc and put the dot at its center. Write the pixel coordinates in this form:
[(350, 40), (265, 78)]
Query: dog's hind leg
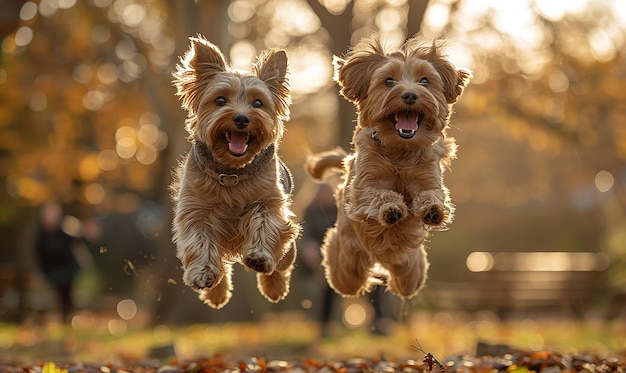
[(219, 295), (346, 264), (275, 286), (407, 278)]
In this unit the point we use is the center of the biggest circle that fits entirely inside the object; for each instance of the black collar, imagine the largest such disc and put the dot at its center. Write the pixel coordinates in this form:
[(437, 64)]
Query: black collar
[(228, 176)]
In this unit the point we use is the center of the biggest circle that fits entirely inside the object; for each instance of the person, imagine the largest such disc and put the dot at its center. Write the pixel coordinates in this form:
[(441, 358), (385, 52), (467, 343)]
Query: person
[(319, 215), (55, 257)]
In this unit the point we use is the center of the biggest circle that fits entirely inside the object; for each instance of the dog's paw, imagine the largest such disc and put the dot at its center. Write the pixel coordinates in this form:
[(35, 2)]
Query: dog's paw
[(199, 280), (433, 216), (259, 262), (430, 206), (390, 214)]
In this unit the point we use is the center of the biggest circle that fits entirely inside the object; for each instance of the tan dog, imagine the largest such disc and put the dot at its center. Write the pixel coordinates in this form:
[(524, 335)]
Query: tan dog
[(393, 190), (232, 193)]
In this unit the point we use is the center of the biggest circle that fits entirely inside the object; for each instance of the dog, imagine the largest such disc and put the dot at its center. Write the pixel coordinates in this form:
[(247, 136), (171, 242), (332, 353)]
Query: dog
[(232, 193), (392, 193)]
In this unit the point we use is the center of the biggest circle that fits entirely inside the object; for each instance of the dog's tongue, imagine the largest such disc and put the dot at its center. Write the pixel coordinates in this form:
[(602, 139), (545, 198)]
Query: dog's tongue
[(406, 122), (238, 142)]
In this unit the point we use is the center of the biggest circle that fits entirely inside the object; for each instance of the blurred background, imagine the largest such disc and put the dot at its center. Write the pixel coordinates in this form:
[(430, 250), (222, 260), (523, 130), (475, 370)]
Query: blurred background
[(89, 120)]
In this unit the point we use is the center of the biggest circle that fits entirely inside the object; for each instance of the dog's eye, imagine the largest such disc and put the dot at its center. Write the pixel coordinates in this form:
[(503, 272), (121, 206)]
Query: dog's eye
[(424, 81), (257, 104), (389, 82), (220, 101)]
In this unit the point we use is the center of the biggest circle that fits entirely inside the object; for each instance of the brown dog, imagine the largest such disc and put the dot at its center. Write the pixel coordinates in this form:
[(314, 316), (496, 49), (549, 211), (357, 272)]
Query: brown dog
[(231, 196), (393, 190)]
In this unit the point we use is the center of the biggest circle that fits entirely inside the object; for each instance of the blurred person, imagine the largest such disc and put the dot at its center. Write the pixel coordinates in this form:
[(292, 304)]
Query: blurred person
[(55, 256), (319, 215)]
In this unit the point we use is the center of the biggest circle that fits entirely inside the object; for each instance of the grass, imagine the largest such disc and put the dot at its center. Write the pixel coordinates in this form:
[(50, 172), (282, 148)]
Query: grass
[(94, 338)]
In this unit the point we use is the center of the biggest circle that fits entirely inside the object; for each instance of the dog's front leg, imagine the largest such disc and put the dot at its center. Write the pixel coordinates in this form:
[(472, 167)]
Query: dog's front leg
[(267, 237), (433, 206), (369, 197), (197, 250), (201, 262)]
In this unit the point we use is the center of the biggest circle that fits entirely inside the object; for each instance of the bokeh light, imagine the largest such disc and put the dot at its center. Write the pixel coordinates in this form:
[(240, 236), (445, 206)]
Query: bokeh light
[(127, 309), (95, 193), (355, 315), (162, 333), (604, 181), (117, 328), (479, 261)]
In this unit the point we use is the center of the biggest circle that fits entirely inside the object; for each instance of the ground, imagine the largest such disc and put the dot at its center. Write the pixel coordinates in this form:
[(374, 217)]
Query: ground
[(476, 343)]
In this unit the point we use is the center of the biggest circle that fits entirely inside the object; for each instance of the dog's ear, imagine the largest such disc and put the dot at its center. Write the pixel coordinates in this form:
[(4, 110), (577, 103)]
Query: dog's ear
[(454, 80), (271, 68), (196, 68), (353, 72)]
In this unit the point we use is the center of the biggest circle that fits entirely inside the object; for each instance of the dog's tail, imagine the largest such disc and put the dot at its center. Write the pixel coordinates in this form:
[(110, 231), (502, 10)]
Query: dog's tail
[(319, 165)]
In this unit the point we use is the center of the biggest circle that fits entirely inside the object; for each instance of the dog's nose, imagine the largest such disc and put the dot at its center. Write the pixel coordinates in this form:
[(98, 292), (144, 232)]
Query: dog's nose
[(409, 97), (241, 120)]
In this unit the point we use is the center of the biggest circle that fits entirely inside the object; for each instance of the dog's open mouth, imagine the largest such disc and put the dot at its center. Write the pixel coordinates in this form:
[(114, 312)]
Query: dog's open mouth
[(407, 123), (237, 142)]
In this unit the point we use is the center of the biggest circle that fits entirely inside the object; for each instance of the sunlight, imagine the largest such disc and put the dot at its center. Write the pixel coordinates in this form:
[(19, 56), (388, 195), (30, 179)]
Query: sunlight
[(107, 73), (558, 81), (604, 181), (551, 261), (437, 15), (133, 14), (82, 73), (126, 146), (162, 333), (88, 167), (517, 20), (147, 154), (38, 101), (241, 10), (28, 11), (94, 193), (355, 315), (620, 10), (23, 36), (72, 225), (553, 10), (479, 261), (295, 19), (117, 328), (310, 69), (242, 54), (602, 45), (127, 309), (94, 99), (107, 160)]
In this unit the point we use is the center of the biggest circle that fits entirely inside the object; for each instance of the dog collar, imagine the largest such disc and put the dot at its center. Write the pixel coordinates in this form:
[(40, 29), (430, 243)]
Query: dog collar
[(225, 175), (375, 138)]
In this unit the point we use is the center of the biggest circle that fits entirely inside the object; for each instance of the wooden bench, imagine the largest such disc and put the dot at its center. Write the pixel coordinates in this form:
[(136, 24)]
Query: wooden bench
[(509, 282)]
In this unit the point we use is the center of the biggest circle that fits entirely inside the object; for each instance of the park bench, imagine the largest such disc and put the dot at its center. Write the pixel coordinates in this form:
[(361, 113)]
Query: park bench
[(512, 282)]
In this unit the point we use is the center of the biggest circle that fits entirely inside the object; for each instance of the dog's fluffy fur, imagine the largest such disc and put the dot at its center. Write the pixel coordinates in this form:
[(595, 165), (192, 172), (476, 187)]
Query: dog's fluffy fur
[(232, 194), (393, 190)]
